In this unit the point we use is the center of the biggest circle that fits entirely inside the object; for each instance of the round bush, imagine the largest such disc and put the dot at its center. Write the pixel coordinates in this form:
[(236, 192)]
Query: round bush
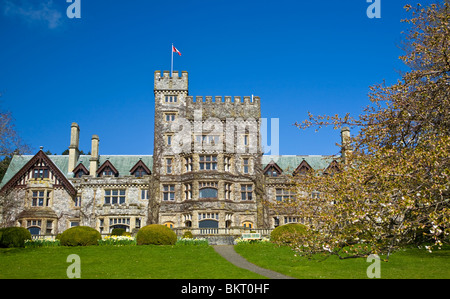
[(156, 234), (14, 237), (188, 235), (285, 233), (80, 236)]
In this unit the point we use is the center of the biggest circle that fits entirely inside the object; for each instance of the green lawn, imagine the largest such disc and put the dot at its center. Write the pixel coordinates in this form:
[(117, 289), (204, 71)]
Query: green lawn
[(202, 262), (406, 264), (189, 262)]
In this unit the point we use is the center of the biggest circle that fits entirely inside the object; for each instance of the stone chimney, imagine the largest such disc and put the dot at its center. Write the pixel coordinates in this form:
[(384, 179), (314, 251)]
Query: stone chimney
[(345, 143), (93, 161), (74, 152)]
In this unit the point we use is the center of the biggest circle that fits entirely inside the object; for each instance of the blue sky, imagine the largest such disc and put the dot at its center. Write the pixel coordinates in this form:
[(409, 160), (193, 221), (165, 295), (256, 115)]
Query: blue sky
[(298, 56)]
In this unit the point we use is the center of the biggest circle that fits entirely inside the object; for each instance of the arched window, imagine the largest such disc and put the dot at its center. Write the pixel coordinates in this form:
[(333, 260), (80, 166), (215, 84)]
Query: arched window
[(247, 224), (208, 193), (169, 224)]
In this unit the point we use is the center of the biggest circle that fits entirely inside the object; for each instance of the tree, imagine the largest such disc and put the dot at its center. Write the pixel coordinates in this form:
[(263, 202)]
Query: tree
[(393, 185)]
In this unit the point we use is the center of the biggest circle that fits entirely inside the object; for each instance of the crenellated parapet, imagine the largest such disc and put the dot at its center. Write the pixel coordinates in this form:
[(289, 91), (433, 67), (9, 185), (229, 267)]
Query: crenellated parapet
[(165, 82), (224, 107)]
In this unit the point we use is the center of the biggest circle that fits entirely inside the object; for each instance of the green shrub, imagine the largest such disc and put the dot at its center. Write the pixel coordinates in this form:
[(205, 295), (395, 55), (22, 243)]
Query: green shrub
[(14, 237), (117, 232), (285, 233), (187, 235), (80, 236), (156, 234)]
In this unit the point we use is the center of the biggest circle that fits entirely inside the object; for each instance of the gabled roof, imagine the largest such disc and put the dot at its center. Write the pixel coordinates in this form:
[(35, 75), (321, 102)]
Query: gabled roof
[(274, 165), (140, 164), (107, 163), (123, 163), (40, 156), (79, 167), (289, 163), (303, 166)]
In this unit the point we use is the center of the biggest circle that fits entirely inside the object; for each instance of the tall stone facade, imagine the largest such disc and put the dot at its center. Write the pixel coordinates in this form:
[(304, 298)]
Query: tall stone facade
[(207, 174)]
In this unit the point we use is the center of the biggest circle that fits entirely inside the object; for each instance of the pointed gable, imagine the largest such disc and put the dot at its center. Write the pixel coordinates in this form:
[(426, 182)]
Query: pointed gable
[(332, 168), (302, 168), (107, 168), (80, 170), (140, 169), (272, 169), (39, 167)]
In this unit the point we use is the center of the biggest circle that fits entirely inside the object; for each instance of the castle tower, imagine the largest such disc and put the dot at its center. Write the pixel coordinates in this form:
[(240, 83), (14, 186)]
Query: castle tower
[(207, 155)]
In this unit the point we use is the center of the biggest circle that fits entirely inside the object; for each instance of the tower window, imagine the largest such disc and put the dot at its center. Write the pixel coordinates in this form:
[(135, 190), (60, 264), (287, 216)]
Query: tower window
[(171, 99), (208, 162)]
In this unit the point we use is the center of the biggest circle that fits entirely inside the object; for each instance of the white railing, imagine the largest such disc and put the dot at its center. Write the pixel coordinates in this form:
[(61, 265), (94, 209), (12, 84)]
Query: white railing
[(222, 231)]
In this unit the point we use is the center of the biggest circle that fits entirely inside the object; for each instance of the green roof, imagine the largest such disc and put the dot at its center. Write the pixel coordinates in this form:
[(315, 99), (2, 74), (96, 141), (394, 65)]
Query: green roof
[(288, 163), (123, 163)]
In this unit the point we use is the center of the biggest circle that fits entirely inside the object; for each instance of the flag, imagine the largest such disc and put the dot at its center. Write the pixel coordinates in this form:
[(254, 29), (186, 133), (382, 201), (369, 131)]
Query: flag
[(175, 50)]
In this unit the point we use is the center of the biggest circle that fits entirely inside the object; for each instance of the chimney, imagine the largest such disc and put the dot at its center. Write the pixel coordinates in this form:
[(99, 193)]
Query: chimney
[(74, 152), (93, 161), (345, 143)]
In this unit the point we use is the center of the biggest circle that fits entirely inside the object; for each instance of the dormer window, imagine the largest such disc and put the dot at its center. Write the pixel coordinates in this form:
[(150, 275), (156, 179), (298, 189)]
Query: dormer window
[(107, 169), (272, 170), (140, 169), (302, 169), (79, 171)]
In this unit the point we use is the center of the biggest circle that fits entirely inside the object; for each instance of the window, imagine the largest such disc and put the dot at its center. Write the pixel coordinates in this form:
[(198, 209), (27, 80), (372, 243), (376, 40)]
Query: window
[(227, 193), (168, 192), (227, 163), (169, 139), (187, 191), (169, 165), (207, 139), (115, 196), (40, 173), (284, 194), (245, 167), (171, 99), (208, 193), (140, 172), (119, 223), (188, 164), (246, 192), (208, 189), (74, 223), (144, 194), (49, 228), (246, 140), (80, 173), (208, 162), (107, 171), (34, 226), (169, 116), (272, 172), (40, 198), (291, 219), (77, 202), (202, 216), (169, 224), (247, 224)]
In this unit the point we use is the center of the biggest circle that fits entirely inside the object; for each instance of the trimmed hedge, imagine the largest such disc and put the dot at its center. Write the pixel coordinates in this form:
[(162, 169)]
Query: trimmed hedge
[(80, 236), (14, 236), (284, 233), (156, 234)]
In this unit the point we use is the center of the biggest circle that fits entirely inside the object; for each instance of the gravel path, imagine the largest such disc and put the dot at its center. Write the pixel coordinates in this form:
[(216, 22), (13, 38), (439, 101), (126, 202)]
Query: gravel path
[(227, 251)]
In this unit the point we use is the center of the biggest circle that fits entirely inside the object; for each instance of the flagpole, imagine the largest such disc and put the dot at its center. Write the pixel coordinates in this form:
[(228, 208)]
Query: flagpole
[(171, 63)]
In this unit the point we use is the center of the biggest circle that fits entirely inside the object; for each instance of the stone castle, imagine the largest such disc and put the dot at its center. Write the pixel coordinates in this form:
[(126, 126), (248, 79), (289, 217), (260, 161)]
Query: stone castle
[(207, 174)]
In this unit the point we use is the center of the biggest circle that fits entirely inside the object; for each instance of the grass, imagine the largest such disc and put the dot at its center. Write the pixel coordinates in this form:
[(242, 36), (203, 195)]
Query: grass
[(202, 262), (125, 262), (410, 263)]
